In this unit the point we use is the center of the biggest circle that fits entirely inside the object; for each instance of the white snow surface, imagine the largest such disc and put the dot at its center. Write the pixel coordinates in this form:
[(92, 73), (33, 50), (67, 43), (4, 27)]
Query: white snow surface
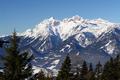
[(69, 26), (56, 62), (110, 47), (38, 69), (51, 67)]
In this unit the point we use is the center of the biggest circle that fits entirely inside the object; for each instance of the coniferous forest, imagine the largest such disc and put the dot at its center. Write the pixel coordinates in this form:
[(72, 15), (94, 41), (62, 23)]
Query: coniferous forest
[(18, 66)]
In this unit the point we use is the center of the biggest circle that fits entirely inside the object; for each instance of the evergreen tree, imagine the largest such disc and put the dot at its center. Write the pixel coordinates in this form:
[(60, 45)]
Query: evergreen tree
[(98, 71), (1, 43), (17, 66), (49, 77), (107, 72), (1, 76), (84, 71), (112, 69), (90, 68), (64, 73), (77, 74), (91, 74)]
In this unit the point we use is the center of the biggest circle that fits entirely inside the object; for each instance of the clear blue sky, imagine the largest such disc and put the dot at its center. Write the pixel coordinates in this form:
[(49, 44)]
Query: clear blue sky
[(24, 14)]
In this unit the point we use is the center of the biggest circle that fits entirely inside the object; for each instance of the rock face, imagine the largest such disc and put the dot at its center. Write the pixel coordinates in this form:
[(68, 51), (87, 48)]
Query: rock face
[(91, 40)]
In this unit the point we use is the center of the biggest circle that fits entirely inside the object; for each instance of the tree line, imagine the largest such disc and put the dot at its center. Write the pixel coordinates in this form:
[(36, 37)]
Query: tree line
[(110, 71), (18, 66)]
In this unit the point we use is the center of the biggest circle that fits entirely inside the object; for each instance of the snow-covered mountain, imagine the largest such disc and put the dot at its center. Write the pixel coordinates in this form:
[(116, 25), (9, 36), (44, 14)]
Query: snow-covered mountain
[(91, 40)]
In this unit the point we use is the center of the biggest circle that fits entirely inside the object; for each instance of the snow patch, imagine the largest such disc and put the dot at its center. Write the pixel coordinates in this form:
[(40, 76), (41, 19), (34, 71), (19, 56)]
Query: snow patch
[(51, 67), (55, 62)]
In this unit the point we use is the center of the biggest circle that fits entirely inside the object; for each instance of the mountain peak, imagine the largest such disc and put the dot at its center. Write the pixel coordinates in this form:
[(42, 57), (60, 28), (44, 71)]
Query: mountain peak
[(74, 18), (51, 19), (70, 26)]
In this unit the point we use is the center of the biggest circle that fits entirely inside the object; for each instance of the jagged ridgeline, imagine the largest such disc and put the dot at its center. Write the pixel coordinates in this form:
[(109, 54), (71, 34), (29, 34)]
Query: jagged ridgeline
[(90, 40)]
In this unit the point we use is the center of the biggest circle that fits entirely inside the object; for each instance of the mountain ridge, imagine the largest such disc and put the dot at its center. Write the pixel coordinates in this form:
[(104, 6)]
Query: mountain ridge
[(51, 40), (51, 25)]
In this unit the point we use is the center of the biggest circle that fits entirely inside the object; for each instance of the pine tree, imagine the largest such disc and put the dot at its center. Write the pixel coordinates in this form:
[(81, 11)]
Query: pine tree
[(107, 72), (90, 68), (1, 43), (112, 69), (91, 74), (17, 66), (64, 73), (77, 74), (98, 71), (84, 71), (49, 77)]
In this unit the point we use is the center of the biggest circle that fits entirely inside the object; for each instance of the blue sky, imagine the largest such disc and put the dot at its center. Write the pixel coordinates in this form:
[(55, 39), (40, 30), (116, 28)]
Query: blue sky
[(24, 14)]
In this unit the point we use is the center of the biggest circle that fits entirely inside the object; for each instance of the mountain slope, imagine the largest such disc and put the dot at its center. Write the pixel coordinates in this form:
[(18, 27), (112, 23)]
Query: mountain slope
[(91, 40)]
